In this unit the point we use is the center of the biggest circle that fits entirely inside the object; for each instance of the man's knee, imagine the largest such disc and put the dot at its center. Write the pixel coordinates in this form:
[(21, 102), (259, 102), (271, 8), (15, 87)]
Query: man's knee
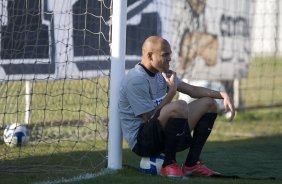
[(176, 109), (181, 109), (211, 104)]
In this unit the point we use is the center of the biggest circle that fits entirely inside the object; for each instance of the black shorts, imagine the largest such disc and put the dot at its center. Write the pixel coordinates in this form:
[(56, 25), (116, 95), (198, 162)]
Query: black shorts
[(151, 137)]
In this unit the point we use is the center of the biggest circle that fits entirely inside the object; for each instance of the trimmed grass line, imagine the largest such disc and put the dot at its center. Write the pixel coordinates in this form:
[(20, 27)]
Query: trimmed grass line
[(238, 134), (244, 134), (78, 178)]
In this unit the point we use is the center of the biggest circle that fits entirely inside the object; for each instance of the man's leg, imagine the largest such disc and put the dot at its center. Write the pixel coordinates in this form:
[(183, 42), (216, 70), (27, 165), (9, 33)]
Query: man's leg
[(205, 110), (173, 119), (180, 111), (200, 135), (174, 129)]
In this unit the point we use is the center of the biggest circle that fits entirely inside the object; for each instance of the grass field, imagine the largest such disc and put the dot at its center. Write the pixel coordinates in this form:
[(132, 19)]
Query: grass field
[(248, 149), (263, 85), (55, 100), (252, 157), (69, 127)]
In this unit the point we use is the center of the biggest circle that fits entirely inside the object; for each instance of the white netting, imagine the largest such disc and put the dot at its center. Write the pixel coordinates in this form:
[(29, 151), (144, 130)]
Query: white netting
[(54, 76)]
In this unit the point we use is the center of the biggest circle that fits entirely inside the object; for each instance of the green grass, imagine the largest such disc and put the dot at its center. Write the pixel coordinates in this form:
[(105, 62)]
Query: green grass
[(55, 101), (263, 85), (248, 149), (252, 160), (249, 124), (128, 176), (68, 129), (51, 161)]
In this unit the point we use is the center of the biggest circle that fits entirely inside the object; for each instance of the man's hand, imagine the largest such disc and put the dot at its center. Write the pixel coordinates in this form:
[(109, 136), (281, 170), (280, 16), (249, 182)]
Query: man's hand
[(170, 78), (228, 104)]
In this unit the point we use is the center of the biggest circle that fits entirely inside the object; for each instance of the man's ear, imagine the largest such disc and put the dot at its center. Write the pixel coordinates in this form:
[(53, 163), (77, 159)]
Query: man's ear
[(150, 55)]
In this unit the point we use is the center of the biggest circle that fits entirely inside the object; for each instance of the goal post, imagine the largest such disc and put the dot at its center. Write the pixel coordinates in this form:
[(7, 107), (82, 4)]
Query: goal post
[(118, 46), (27, 102)]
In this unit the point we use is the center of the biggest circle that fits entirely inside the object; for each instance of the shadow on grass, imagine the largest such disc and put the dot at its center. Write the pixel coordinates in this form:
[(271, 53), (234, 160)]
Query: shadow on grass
[(51, 167), (255, 158)]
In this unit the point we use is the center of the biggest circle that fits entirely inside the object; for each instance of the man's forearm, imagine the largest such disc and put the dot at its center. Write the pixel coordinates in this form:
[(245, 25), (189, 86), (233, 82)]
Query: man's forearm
[(199, 92)]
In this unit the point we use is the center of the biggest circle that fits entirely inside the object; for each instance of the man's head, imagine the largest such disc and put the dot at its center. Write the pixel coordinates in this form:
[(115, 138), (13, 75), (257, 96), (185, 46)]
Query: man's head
[(156, 54)]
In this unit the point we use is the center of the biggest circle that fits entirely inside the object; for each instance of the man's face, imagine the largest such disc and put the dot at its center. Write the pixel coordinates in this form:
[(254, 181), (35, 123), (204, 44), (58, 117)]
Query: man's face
[(161, 57)]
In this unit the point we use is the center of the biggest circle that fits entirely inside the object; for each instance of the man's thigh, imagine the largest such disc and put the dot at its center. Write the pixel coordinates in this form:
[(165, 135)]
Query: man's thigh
[(196, 109), (175, 109), (194, 112)]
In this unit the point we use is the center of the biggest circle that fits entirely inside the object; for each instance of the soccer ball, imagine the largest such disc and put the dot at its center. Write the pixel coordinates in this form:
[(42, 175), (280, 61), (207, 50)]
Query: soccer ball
[(16, 135), (151, 165)]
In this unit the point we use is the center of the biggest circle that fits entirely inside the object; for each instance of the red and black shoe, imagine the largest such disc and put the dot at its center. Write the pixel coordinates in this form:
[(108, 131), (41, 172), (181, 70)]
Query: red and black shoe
[(198, 170), (172, 170)]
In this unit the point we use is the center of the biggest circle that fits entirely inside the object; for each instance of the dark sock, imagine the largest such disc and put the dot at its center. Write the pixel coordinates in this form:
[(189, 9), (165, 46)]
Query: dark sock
[(201, 133), (174, 128)]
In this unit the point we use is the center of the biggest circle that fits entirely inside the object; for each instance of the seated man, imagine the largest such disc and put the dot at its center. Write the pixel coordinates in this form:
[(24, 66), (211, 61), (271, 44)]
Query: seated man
[(152, 123)]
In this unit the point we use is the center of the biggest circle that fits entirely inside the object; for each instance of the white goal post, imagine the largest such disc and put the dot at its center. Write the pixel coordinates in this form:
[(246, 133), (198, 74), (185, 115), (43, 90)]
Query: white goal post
[(117, 74)]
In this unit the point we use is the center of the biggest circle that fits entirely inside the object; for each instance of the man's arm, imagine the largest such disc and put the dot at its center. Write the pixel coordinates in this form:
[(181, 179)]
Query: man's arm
[(199, 92), (171, 82)]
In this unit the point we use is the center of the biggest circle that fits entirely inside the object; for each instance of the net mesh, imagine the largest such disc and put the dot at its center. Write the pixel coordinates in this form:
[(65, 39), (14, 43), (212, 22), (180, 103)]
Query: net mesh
[(55, 59)]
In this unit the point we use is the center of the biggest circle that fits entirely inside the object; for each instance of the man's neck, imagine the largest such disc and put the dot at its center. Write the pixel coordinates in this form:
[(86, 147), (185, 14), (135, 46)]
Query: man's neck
[(150, 73)]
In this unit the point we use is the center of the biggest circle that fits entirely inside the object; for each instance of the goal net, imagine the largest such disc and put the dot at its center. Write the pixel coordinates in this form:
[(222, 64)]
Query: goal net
[(54, 76)]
